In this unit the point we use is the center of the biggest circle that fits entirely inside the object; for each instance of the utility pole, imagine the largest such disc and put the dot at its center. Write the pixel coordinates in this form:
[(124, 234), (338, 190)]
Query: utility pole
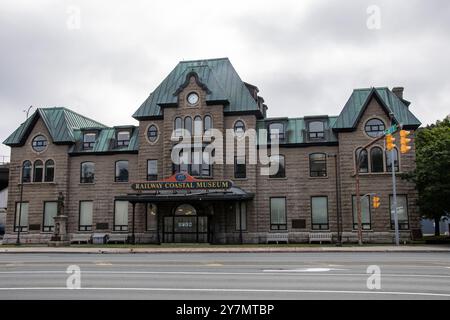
[(394, 190)]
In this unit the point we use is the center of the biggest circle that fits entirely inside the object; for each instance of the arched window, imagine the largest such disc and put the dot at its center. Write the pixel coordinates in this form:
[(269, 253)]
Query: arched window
[(239, 128), (152, 133), (198, 123), (281, 173), (376, 159), (185, 210), (49, 171), (374, 127), (38, 171), (318, 165), (361, 156), (389, 161), (39, 143), (178, 125), (26, 171), (188, 124), (207, 123), (87, 173)]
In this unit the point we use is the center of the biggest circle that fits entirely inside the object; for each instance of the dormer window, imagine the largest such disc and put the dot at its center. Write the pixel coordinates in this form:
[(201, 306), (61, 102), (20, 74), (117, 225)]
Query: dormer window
[(123, 138), (276, 131), (316, 130), (89, 141)]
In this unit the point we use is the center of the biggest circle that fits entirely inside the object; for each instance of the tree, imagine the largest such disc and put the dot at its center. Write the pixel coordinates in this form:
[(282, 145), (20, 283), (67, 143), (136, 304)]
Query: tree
[(432, 174)]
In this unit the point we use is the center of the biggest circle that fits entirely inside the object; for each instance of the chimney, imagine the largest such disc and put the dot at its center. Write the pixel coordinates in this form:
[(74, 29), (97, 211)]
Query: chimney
[(398, 91)]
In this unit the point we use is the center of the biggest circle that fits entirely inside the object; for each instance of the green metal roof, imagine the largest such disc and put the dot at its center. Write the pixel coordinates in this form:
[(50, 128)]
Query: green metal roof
[(355, 106), (60, 122), (105, 141), (219, 78), (296, 129)]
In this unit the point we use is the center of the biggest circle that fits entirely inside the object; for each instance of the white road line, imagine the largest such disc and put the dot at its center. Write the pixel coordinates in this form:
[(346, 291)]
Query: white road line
[(233, 290), (225, 273), (304, 270)]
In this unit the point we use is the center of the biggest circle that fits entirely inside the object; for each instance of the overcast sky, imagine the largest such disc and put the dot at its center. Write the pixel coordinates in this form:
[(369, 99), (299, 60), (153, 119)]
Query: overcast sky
[(305, 56)]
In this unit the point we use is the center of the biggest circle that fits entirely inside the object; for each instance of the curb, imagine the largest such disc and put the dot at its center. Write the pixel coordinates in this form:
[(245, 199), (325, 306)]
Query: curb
[(220, 250)]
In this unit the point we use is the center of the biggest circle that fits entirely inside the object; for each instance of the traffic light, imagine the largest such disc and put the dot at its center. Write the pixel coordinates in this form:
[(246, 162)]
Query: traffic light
[(376, 202), (404, 141), (390, 142)]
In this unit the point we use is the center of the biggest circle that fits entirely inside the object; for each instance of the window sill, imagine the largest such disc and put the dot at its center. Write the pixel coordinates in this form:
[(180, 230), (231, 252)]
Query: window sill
[(314, 178), (283, 178), (376, 173), (37, 183)]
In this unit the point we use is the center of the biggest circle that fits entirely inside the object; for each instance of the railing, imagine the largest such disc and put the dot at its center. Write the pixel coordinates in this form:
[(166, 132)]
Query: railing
[(4, 160)]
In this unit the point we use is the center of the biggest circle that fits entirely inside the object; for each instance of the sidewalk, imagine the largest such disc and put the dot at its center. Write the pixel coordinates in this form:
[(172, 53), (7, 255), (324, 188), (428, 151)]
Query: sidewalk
[(223, 249)]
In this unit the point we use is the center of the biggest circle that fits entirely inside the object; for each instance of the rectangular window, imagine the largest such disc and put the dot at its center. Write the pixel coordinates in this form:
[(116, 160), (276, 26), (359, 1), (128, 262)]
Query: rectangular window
[(241, 216), (123, 138), (50, 211), (23, 212), (89, 141), (122, 171), (152, 220), (281, 173), (402, 212), (278, 214), (365, 213), (121, 216), (319, 213), (318, 165), (195, 163), (240, 168), (316, 130), (152, 170), (87, 172), (86, 210)]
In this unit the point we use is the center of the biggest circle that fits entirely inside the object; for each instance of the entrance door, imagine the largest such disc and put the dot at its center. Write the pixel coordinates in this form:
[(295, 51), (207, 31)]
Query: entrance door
[(185, 226)]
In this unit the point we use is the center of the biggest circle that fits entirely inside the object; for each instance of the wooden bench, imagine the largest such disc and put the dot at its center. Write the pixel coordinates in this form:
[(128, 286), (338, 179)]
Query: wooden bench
[(81, 238), (117, 237), (320, 236), (277, 237)]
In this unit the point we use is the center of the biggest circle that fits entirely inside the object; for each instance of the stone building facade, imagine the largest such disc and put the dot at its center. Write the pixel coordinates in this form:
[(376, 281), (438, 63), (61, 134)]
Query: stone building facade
[(95, 166)]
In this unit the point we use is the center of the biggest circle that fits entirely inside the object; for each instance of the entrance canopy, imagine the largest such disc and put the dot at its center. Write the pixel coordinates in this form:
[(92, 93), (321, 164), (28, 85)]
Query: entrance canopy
[(234, 194)]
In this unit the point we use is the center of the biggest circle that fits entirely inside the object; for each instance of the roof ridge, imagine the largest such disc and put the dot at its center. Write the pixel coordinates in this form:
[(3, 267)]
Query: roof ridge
[(199, 60), (80, 115)]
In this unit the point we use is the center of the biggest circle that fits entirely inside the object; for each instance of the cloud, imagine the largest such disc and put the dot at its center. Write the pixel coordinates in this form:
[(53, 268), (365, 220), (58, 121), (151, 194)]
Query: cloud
[(305, 56)]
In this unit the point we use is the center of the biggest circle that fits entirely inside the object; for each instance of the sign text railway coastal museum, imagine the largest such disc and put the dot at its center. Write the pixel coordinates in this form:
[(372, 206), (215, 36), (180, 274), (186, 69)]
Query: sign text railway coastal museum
[(206, 164)]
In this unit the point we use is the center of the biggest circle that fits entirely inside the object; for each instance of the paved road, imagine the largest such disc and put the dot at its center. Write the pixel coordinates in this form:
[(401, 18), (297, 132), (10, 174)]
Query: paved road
[(226, 276)]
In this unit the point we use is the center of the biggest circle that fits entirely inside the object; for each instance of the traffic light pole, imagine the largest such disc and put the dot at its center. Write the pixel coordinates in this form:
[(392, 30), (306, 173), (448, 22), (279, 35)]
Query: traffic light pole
[(394, 196)]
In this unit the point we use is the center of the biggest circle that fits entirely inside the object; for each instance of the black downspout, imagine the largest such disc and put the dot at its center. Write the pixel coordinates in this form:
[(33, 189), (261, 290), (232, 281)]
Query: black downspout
[(240, 222), (338, 201), (133, 239)]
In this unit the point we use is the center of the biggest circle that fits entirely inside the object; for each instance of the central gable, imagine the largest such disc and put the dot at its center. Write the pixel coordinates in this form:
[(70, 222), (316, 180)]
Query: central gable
[(221, 81)]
